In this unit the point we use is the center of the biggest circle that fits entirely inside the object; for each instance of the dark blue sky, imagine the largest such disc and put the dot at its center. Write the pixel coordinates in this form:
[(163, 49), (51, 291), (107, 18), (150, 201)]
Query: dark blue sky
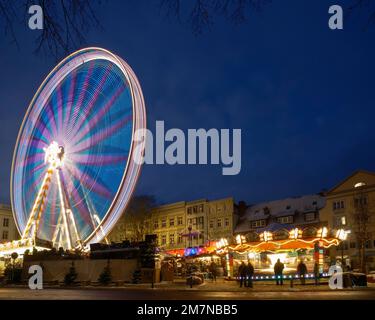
[(302, 94)]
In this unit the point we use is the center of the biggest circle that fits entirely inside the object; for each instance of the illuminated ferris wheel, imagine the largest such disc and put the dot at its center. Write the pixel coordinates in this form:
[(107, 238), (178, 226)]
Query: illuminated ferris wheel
[(73, 169)]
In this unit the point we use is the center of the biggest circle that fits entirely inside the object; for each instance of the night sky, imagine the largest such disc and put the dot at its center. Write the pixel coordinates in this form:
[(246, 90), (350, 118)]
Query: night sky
[(302, 94)]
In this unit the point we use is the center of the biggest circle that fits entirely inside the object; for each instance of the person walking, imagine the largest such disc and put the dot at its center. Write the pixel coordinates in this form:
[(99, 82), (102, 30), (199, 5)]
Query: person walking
[(213, 270), (242, 273), (316, 273), (278, 269), (302, 271), (249, 275)]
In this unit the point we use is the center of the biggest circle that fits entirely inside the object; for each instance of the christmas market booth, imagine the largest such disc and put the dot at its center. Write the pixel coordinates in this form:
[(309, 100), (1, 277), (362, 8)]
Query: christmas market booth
[(194, 260), (288, 244)]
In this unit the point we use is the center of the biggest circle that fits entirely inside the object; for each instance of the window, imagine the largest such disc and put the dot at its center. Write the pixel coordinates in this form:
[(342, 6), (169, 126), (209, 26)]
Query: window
[(314, 203), (195, 209), (310, 216), (179, 221), (201, 208), (340, 221), (362, 201), (156, 224), (258, 224), (201, 221), (6, 222), (163, 222), (171, 222), (337, 205), (211, 223), (368, 244), (288, 219), (288, 207), (219, 223), (179, 239), (200, 236), (171, 238), (343, 220), (226, 222), (163, 239), (189, 210), (5, 235), (352, 245)]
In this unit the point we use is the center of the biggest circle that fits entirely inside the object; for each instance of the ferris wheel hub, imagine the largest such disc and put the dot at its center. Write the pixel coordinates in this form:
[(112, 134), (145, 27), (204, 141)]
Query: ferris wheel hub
[(54, 155)]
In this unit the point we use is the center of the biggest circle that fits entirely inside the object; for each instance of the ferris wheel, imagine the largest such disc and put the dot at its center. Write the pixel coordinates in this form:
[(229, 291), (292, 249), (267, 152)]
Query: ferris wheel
[(73, 170)]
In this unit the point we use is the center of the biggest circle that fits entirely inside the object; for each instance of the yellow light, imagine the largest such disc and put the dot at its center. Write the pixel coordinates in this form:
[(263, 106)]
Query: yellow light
[(295, 233), (323, 232), (266, 236)]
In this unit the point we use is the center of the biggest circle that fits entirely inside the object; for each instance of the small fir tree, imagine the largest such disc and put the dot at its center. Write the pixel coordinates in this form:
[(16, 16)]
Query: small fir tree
[(105, 277), (71, 276)]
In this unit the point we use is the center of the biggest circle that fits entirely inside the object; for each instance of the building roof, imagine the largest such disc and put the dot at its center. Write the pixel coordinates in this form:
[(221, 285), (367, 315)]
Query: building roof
[(280, 208), (347, 179)]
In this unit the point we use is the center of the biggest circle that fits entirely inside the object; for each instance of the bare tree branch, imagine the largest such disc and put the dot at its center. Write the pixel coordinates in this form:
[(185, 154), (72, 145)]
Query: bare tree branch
[(200, 14), (66, 23)]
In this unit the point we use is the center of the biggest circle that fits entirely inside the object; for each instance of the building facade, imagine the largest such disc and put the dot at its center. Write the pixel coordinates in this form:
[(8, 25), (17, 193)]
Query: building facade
[(8, 229), (194, 223), (350, 205), (184, 224)]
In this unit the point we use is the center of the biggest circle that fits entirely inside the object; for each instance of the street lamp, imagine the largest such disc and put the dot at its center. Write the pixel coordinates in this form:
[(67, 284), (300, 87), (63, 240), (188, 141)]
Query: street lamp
[(190, 238), (342, 235)]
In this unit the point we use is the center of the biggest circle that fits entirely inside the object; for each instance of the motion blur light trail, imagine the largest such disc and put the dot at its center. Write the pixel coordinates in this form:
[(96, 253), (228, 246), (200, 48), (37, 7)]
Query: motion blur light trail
[(73, 171)]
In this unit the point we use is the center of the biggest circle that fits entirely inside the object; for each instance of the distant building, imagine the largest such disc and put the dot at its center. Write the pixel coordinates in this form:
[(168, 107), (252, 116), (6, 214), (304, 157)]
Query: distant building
[(8, 229), (298, 212), (349, 203), (184, 224)]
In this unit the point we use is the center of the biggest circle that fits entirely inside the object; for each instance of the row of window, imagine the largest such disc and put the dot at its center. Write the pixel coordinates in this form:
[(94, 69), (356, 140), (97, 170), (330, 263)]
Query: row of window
[(195, 209), (311, 216), (358, 201), (353, 245), (196, 221), (172, 239), (219, 223), (171, 222)]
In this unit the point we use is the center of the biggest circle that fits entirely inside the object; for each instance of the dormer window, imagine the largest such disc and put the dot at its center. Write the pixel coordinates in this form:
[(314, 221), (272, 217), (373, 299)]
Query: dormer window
[(288, 207), (359, 184)]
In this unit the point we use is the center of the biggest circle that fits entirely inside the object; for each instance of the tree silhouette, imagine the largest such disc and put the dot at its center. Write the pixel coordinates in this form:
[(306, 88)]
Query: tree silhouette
[(201, 14), (66, 22)]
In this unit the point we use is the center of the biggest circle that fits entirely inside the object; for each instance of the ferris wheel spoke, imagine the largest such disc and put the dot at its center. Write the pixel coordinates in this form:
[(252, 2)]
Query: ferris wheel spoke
[(50, 113), (68, 102), (100, 136), (42, 127), (95, 119), (82, 92), (93, 99), (98, 160), (89, 183), (59, 111)]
